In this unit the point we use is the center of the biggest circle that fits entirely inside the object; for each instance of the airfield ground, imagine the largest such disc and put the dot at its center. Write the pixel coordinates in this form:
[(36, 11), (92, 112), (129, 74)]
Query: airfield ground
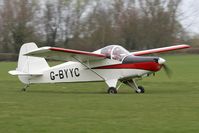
[(168, 106)]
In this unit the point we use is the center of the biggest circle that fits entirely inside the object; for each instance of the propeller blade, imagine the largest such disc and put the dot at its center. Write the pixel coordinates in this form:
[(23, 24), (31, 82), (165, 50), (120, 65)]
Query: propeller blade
[(167, 70)]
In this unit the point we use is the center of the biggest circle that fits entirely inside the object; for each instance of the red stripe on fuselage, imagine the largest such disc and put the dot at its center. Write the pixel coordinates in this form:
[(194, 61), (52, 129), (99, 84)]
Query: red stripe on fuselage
[(150, 66)]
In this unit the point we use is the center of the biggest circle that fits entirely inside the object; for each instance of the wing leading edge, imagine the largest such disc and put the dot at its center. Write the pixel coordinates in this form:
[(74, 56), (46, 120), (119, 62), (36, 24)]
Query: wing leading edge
[(160, 50), (62, 54), (65, 54)]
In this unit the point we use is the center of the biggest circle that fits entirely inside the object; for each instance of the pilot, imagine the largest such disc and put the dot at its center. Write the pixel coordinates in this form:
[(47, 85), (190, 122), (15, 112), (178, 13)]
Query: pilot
[(117, 54), (107, 52)]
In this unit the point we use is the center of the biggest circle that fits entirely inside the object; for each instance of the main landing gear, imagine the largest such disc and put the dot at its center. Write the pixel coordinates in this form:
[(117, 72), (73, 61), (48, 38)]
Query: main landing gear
[(131, 83)]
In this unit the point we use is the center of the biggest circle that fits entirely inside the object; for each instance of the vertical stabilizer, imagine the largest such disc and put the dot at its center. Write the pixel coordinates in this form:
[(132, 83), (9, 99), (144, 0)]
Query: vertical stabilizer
[(29, 66)]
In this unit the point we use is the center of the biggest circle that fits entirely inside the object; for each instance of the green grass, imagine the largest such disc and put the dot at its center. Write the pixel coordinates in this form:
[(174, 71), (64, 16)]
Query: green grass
[(168, 106)]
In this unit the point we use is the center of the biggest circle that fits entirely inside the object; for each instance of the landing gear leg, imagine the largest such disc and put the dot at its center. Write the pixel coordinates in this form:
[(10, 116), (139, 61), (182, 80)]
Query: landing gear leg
[(132, 84), (25, 87)]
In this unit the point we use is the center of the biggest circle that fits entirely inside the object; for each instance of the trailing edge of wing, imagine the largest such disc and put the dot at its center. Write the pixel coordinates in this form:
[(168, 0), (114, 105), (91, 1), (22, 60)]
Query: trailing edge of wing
[(64, 54), (160, 50)]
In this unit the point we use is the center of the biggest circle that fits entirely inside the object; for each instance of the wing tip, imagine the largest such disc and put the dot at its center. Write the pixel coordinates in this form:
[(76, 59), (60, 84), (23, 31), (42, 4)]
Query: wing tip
[(185, 46)]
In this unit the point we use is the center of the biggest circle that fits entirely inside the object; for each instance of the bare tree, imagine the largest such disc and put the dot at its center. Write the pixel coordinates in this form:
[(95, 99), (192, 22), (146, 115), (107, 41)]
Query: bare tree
[(76, 25), (17, 27), (52, 20), (89, 24), (159, 22)]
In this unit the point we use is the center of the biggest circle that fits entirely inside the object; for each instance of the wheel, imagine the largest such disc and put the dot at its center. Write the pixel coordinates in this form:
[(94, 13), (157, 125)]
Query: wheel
[(112, 90), (140, 89), (23, 89)]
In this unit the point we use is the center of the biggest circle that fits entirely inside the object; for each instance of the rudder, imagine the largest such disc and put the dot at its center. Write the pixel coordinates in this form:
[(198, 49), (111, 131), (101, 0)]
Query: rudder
[(29, 66)]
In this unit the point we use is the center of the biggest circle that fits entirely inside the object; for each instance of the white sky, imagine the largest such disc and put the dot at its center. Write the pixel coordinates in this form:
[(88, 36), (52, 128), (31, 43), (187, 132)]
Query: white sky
[(190, 17)]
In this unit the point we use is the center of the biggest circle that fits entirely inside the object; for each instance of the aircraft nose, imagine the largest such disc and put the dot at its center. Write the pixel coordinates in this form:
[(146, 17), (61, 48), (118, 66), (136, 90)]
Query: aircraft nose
[(161, 61)]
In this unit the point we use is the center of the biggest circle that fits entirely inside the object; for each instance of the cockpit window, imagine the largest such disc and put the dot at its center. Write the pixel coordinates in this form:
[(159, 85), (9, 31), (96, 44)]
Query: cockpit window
[(107, 51), (114, 52), (119, 53)]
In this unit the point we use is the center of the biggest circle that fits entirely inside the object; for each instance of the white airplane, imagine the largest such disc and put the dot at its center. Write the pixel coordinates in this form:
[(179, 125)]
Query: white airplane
[(110, 64)]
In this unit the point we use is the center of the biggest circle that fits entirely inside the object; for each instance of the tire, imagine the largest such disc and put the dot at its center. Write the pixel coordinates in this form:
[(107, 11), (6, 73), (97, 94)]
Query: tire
[(112, 90), (141, 89), (23, 89)]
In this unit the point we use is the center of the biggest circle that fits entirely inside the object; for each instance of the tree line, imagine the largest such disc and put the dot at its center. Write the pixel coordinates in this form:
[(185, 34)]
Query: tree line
[(89, 24)]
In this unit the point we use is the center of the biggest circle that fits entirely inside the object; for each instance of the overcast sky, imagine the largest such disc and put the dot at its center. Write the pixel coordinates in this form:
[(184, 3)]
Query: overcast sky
[(190, 17)]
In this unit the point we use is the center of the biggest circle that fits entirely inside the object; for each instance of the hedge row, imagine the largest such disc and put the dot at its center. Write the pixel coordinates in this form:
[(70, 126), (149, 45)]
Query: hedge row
[(8, 57)]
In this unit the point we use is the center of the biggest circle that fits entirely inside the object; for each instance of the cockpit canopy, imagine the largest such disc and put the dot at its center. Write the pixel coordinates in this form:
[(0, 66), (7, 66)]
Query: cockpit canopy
[(115, 52)]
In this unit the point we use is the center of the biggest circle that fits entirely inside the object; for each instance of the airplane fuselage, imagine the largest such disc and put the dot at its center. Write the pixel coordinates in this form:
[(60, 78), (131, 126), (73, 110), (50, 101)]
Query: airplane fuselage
[(108, 69)]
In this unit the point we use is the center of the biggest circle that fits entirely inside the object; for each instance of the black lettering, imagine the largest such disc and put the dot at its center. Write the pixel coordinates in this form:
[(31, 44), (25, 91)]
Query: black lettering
[(61, 74), (76, 71), (52, 75), (71, 72), (66, 72)]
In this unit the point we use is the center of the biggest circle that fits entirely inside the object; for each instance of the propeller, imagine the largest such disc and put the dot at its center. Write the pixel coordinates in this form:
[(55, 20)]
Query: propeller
[(167, 70)]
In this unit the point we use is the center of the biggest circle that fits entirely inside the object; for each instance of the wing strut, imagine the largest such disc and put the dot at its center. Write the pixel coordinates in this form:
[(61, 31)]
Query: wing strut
[(88, 67)]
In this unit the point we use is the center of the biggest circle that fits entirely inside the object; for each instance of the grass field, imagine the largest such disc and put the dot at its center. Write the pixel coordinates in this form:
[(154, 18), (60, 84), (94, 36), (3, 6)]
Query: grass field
[(168, 106)]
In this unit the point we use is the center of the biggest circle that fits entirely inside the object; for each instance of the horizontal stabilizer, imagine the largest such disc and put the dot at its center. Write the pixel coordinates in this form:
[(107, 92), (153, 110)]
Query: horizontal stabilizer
[(15, 72)]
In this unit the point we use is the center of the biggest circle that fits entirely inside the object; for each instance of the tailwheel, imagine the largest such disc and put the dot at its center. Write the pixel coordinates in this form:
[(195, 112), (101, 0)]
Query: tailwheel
[(25, 87), (140, 89), (112, 90)]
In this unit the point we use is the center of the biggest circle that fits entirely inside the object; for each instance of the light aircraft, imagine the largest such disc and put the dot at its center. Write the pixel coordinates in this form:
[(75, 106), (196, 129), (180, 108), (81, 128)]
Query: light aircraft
[(111, 64)]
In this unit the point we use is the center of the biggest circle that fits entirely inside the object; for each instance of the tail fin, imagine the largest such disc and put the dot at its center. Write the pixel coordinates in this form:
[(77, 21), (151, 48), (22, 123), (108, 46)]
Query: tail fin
[(29, 66)]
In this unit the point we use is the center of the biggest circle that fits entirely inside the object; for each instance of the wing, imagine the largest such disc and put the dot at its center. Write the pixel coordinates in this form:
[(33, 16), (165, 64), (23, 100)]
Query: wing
[(160, 50), (65, 54)]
